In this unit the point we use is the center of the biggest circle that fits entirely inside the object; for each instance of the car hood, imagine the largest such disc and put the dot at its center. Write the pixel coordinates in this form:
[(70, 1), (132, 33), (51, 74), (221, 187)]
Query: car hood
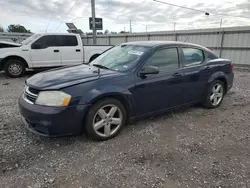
[(12, 44), (66, 76)]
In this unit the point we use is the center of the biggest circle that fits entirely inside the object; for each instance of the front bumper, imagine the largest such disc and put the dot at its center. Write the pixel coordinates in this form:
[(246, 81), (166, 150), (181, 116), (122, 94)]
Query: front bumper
[(52, 121)]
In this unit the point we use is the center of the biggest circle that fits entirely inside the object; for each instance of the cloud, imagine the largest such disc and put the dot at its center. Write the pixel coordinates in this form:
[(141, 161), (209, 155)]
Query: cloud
[(35, 14)]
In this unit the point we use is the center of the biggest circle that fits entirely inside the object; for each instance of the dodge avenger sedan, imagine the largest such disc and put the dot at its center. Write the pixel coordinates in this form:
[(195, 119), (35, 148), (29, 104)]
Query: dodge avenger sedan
[(132, 80)]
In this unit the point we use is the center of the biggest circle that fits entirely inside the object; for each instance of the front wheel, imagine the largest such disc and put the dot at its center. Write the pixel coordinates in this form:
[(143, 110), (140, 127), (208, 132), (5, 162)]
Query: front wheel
[(215, 94), (14, 68), (105, 119)]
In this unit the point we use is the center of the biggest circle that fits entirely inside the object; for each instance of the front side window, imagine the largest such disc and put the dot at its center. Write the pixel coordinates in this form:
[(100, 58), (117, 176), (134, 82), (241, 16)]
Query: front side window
[(121, 58), (166, 59), (192, 56), (46, 41)]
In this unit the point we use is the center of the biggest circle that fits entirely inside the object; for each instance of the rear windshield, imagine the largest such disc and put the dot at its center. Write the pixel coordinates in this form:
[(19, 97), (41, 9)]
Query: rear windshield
[(211, 55)]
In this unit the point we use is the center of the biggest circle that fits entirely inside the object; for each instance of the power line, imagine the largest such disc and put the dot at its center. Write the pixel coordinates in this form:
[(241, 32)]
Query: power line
[(206, 13), (51, 16), (66, 14), (181, 6)]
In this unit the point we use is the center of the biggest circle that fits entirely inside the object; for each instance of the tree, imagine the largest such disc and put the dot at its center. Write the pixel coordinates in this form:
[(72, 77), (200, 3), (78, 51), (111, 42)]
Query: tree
[(124, 32), (106, 32), (91, 33), (1, 29), (17, 29)]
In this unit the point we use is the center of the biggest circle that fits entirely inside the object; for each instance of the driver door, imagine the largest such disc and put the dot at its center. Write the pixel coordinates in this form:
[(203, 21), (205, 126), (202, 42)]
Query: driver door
[(158, 92), (45, 52)]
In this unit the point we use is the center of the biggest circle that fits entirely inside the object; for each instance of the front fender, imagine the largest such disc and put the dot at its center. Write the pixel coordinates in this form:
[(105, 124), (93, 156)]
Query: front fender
[(100, 92), (5, 52), (17, 53)]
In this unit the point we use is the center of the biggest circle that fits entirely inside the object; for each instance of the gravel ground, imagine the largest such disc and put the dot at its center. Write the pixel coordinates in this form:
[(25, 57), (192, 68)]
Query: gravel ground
[(192, 147)]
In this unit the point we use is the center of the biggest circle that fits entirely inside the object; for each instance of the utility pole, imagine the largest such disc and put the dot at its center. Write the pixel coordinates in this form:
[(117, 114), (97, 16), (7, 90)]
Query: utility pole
[(174, 25), (93, 20), (218, 38), (220, 23), (130, 23)]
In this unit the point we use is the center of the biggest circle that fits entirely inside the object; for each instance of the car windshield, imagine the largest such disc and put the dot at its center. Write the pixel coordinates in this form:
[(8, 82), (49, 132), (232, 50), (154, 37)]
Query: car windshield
[(120, 58), (29, 39)]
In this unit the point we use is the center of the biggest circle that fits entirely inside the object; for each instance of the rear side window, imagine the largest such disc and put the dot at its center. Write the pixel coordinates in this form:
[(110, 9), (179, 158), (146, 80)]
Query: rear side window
[(165, 59), (192, 56), (67, 40), (211, 56), (46, 41)]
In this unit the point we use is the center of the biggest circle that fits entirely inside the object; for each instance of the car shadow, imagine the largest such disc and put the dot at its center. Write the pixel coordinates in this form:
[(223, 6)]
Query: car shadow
[(131, 126), (168, 114)]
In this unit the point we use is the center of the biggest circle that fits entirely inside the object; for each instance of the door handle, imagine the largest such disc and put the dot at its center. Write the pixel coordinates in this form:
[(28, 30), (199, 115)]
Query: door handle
[(207, 67), (78, 50), (177, 74), (56, 50)]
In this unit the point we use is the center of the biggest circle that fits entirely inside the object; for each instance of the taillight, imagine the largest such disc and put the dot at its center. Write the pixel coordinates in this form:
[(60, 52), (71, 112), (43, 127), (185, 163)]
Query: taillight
[(232, 67)]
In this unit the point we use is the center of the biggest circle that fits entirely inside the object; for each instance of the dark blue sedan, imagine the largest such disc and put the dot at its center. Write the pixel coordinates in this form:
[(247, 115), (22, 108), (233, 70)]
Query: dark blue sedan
[(132, 80)]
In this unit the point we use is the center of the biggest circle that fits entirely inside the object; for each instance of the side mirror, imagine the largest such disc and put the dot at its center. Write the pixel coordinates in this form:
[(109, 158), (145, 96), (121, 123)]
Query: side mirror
[(36, 46), (149, 70)]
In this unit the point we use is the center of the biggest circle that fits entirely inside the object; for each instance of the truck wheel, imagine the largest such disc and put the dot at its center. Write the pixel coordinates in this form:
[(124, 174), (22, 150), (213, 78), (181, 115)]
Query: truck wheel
[(105, 119), (215, 94), (93, 57), (14, 68)]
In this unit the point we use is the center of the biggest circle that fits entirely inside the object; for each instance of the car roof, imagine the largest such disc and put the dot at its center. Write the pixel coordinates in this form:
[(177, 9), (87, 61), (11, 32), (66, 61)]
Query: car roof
[(162, 43), (74, 34)]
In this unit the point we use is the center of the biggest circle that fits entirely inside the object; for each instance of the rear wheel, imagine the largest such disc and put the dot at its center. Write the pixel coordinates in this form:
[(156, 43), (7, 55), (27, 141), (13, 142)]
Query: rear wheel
[(215, 94), (14, 68), (93, 57), (105, 119)]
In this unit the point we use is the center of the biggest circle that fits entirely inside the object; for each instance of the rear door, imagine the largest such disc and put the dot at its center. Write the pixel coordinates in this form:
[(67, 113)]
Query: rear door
[(70, 49), (194, 74), (44, 52)]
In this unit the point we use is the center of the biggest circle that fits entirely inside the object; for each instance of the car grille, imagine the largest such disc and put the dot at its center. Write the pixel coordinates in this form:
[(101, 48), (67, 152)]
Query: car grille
[(30, 94)]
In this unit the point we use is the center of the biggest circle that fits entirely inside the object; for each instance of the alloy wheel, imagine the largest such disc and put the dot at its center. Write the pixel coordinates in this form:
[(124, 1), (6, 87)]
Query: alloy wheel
[(107, 120), (216, 94)]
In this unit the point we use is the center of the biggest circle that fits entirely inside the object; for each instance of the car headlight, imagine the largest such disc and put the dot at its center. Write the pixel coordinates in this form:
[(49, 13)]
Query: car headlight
[(53, 98)]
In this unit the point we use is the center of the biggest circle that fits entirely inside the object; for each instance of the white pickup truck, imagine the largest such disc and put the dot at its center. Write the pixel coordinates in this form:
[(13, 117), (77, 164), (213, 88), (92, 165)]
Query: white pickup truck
[(46, 50)]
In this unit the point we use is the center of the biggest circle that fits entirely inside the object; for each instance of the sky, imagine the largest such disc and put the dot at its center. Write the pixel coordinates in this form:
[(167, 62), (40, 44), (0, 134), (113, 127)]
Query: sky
[(51, 15)]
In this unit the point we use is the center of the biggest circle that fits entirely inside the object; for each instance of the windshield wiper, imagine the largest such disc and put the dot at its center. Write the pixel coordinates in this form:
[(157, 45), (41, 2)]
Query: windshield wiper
[(101, 66)]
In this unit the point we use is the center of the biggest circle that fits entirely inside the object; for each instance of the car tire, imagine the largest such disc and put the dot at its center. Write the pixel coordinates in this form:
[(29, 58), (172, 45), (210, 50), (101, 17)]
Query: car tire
[(215, 94), (14, 68), (93, 57), (105, 119)]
